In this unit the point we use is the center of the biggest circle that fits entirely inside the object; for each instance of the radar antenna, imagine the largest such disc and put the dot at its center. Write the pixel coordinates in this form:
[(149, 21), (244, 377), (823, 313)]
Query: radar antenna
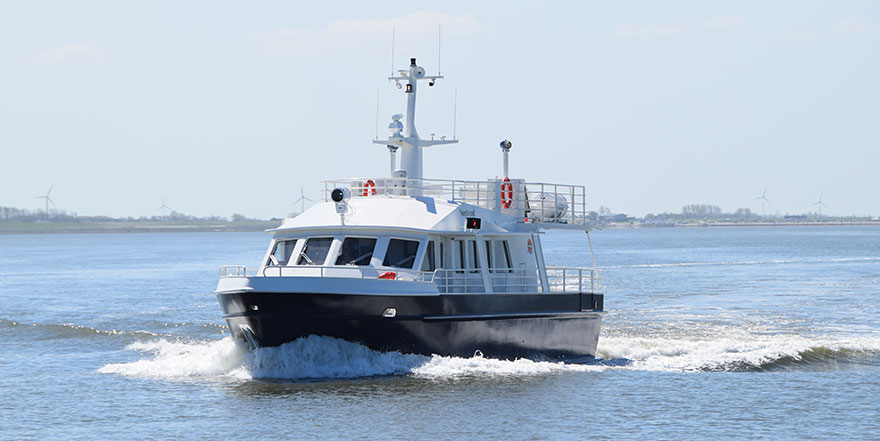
[(408, 141)]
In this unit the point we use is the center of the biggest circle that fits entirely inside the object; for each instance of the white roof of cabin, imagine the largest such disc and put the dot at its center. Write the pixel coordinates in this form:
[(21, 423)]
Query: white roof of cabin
[(395, 212)]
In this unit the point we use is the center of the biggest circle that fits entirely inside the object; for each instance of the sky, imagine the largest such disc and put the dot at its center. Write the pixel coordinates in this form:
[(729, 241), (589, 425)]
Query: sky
[(233, 107)]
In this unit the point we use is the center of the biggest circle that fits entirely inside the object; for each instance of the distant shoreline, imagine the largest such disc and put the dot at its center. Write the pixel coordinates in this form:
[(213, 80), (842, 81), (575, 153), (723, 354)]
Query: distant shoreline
[(133, 227)]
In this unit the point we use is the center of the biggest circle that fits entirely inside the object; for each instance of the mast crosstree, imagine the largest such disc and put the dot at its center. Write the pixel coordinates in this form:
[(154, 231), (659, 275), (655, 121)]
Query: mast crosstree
[(404, 136)]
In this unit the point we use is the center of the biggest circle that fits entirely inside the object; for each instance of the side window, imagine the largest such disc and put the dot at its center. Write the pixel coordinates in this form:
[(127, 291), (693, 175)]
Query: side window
[(473, 255), (489, 254), (401, 253), (428, 261), (315, 251), (501, 253), (356, 251), (281, 253), (462, 263)]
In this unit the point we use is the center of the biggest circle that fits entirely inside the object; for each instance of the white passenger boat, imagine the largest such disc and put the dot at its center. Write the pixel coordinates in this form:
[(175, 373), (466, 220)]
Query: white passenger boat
[(427, 266)]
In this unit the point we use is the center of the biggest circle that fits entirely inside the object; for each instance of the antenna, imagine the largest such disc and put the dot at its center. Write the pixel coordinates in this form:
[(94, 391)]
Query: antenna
[(454, 113), (392, 52), (377, 113), (439, 40)]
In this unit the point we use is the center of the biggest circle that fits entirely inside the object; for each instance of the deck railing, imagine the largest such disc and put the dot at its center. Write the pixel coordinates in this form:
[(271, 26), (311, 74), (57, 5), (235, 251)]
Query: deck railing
[(447, 281), (531, 201), (349, 272)]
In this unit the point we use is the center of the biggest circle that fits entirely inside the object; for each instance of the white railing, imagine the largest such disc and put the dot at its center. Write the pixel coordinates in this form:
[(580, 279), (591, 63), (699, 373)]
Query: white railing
[(502, 280), (233, 271), (354, 272), (530, 201), (572, 279), (447, 281)]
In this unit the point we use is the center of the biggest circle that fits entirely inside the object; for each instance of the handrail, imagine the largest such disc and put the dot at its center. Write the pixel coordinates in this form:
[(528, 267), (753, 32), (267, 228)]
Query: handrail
[(531, 201), (447, 281), (506, 280), (347, 271), (233, 271)]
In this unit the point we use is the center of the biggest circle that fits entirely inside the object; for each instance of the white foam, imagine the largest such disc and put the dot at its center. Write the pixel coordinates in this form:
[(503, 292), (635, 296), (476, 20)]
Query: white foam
[(454, 367), (744, 262), (310, 358), (324, 357), (740, 349), (182, 360)]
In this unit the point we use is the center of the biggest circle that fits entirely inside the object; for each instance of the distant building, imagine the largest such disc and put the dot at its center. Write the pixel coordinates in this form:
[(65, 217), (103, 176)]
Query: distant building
[(605, 218), (795, 217)]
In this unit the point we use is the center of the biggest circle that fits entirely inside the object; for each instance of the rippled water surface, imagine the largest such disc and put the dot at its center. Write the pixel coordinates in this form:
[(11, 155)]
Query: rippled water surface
[(730, 333)]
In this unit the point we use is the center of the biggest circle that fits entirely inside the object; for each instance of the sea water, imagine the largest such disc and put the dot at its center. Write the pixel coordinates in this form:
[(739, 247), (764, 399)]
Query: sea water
[(711, 333)]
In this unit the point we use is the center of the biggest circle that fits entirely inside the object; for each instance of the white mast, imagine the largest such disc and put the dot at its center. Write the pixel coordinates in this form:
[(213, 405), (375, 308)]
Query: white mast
[(409, 142)]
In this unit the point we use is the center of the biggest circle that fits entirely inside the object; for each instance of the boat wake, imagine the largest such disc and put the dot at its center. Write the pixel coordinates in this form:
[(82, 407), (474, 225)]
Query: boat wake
[(322, 358), (742, 352), (52, 331), (311, 358), (745, 263)]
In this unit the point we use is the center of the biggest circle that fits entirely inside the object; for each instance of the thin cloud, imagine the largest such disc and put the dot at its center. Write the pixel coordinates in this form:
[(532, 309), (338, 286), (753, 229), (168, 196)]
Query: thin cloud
[(67, 52), (341, 33), (850, 24), (630, 30), (726, 22)]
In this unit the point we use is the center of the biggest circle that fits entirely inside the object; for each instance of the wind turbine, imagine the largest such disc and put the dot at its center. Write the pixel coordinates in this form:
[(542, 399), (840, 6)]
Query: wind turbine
[(302, 199), (820, 204), (48, 200), (163, 207), (763, 199)]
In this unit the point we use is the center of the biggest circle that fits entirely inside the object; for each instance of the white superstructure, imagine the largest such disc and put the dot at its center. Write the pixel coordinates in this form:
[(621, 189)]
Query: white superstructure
[(434, 236)]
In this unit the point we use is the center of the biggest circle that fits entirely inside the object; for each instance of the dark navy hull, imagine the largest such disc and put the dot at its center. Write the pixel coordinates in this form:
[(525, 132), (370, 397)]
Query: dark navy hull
[(507, 326)]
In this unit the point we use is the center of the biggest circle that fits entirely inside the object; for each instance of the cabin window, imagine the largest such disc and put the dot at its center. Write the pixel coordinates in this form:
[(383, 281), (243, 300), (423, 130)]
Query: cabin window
[(468, 258), (315, 251), (356, 251), (462, 263), (428, 261), (281, 252), (500, 253), (473, 255), (401, 253)]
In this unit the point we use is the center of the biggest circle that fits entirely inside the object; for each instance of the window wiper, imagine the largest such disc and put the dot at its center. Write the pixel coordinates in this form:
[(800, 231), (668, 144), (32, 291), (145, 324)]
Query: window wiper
[(404, 260), (355, 261), (304, 256)]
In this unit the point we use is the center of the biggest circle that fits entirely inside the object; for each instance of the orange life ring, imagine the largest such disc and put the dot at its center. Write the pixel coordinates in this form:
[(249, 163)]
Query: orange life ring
[(506, 193), (369, 188), (529, 244), (388, 275)]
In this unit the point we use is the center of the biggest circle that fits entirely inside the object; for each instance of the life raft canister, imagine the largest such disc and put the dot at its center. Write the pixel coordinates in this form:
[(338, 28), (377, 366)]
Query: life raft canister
[(506, 193), (369, 188)]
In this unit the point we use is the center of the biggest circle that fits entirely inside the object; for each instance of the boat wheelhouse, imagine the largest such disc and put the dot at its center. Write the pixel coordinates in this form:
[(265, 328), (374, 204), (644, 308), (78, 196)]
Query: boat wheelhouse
[(404, 263)]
